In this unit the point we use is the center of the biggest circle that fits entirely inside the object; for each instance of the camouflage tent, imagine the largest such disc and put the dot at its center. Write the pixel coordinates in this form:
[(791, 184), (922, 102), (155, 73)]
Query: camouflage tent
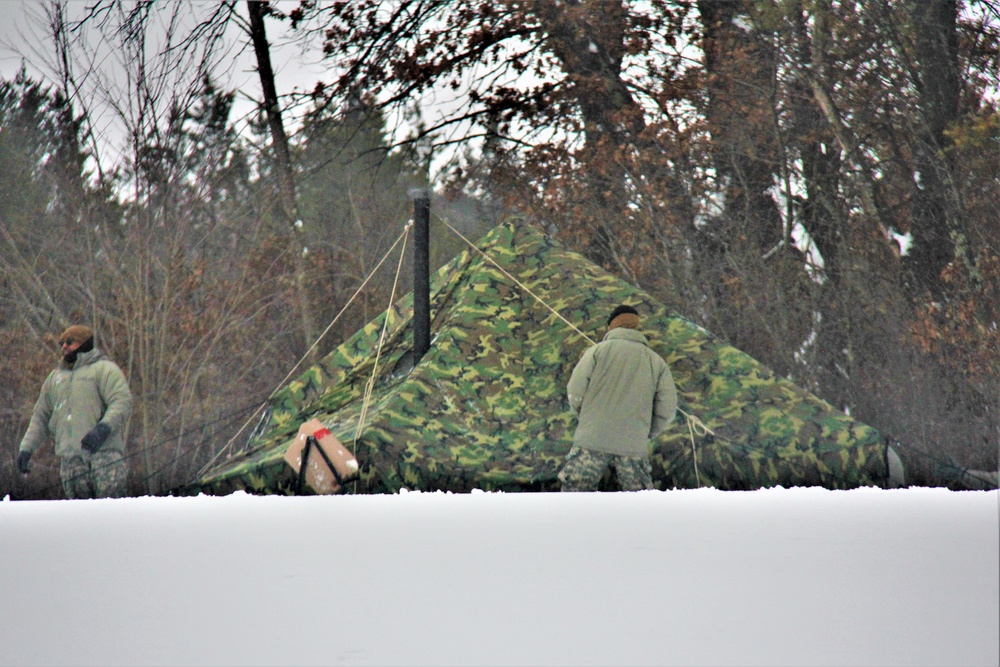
[(485, 407)]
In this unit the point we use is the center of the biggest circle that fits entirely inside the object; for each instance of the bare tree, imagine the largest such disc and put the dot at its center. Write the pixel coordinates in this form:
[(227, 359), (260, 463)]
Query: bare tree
[(138, 269), (288, 208)]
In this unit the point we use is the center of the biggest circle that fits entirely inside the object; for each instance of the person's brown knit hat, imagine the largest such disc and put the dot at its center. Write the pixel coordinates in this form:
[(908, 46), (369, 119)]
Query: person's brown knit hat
[(77, 333), (623, 316)]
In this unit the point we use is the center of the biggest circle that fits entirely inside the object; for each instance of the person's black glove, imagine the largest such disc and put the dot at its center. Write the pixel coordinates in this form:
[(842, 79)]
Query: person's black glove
[(22, 461), (96, 437)]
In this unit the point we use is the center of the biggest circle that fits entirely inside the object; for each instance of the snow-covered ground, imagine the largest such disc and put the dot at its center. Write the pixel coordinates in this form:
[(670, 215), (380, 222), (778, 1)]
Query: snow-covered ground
[(772, 577)]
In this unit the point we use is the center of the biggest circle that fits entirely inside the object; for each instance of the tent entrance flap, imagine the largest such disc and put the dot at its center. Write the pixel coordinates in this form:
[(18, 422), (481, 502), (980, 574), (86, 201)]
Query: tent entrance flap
[(320, 460)]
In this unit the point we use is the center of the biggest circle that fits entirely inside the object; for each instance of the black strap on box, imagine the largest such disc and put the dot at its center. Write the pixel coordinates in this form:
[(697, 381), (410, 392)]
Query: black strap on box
[(311, 442)]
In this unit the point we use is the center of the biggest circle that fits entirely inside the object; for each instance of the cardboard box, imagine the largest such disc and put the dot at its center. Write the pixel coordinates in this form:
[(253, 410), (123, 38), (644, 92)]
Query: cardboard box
[(318, 475)]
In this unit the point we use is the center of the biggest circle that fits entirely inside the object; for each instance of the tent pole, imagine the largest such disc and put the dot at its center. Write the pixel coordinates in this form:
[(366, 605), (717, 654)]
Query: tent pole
[(421, 273)]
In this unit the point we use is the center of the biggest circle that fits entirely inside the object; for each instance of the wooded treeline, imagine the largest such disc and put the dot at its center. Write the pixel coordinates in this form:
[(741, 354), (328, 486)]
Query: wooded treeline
[(816, 181)]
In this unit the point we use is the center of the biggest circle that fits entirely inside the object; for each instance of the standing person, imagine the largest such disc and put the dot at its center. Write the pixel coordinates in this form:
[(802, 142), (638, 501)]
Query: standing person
[(83, 405), (624, 396)]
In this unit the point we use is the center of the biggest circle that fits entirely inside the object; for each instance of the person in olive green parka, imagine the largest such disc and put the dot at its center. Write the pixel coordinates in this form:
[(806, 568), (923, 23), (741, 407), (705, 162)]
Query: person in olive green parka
[(84, 405), (624, 396)]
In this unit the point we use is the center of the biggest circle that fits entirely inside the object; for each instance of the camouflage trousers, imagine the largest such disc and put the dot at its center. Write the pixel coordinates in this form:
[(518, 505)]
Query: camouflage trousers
[(97, 475), (585, 467)]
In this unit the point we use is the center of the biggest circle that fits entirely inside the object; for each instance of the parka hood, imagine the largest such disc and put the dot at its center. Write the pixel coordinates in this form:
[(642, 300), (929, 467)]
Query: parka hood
[(621, 333)]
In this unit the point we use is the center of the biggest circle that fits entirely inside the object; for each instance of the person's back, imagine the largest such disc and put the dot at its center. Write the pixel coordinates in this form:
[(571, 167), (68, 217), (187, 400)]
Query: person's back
[(624, 395), (615, 398)]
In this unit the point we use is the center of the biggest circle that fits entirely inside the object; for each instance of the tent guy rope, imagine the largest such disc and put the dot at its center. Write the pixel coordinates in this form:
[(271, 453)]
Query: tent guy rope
[(515, 280), (290, 373), (370, 385)]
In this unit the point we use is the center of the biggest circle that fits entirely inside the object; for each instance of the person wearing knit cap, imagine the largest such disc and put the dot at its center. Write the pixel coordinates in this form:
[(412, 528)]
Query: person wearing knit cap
[(624, 396), (83, 406)]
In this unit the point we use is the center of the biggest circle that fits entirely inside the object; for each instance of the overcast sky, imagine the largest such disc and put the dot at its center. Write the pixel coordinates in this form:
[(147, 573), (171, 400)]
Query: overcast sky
[(23, 39)]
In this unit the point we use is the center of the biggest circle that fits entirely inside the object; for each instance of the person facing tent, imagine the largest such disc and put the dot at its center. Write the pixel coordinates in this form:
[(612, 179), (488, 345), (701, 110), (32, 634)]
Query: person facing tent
[(623, 395)]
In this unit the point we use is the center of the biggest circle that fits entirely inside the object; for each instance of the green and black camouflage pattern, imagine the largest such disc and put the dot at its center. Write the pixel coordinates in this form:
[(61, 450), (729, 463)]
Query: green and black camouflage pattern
[(486, 407)]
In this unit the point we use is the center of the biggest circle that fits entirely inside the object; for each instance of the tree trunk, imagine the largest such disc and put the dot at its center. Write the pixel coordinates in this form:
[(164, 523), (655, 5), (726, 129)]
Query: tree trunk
[(288, 206), (935, 215), (740, 68)]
